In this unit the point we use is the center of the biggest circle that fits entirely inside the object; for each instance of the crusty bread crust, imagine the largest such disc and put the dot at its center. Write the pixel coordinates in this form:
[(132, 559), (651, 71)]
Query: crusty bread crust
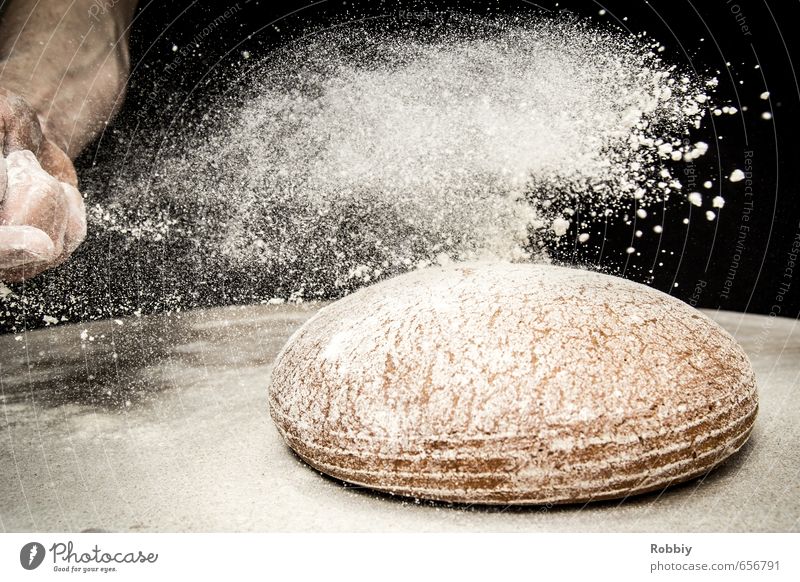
[(512, 384)]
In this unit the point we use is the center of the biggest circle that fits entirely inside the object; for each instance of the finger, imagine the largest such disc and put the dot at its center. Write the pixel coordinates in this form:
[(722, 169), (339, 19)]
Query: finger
[(56, 163), (3, 179), (20, 125), (25, 252), (34, 198), (76, 223), (24, 245)]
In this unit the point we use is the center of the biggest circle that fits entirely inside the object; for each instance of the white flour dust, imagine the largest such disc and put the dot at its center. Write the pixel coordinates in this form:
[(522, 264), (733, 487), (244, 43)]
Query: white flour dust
[(452, 147), (359, 153)]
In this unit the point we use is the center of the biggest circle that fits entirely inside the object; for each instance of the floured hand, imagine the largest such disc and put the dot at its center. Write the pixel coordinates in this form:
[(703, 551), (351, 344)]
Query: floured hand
[(42, 215), (42, 220)]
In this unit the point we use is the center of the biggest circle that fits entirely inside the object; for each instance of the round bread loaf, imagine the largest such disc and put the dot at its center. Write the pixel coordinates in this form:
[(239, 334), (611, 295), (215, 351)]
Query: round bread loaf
[(512, 384)]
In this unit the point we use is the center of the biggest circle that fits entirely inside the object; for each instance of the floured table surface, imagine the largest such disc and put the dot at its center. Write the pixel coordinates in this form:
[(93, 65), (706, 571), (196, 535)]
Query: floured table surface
[(160, 424)]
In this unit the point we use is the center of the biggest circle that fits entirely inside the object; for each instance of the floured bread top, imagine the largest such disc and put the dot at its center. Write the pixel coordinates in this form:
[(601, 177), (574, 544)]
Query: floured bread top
[(497, 351)]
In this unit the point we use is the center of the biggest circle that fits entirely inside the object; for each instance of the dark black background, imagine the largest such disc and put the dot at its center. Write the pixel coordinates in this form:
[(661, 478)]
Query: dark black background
[(703, 35)]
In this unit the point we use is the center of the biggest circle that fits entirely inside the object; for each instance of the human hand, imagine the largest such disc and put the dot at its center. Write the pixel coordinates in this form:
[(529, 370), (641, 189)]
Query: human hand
[(42, 215)]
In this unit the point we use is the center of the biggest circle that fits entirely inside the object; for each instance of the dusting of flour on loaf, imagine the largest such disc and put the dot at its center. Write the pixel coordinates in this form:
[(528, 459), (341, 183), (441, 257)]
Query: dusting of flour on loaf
[(484, 381)]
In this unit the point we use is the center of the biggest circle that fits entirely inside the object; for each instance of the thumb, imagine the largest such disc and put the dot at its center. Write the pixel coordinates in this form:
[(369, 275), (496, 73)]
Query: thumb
[(56, 163)]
